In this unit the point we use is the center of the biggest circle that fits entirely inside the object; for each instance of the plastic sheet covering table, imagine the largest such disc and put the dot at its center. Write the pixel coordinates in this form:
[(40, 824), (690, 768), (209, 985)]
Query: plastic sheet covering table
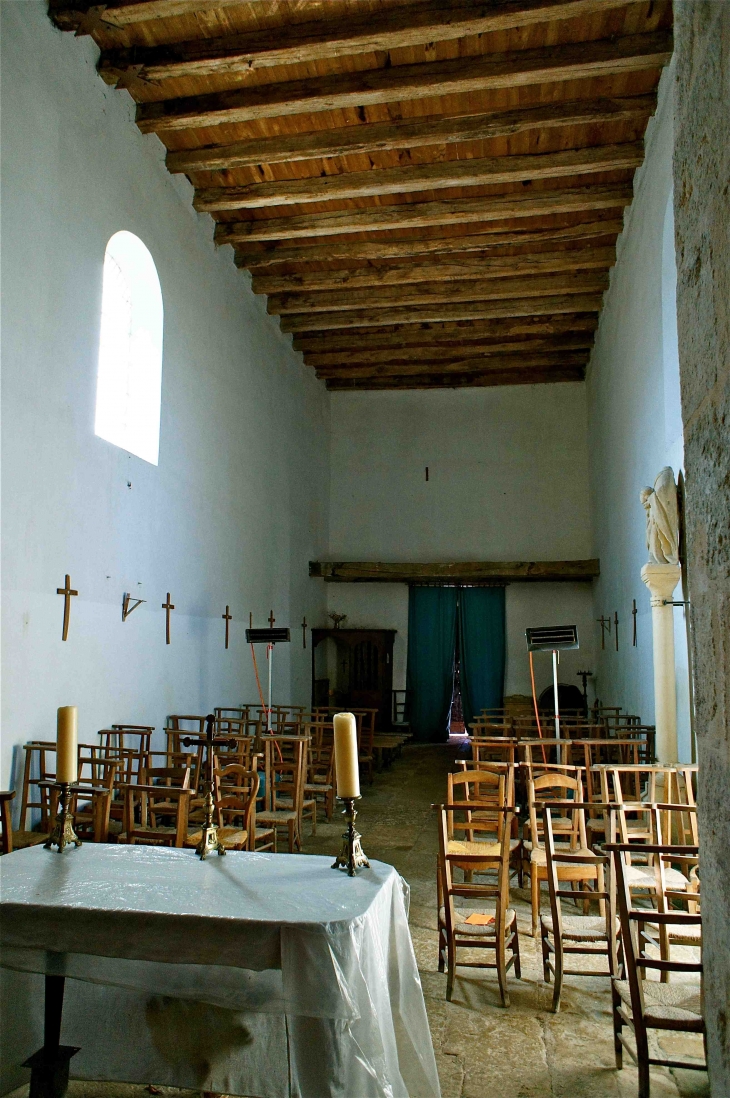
[(266, 975)]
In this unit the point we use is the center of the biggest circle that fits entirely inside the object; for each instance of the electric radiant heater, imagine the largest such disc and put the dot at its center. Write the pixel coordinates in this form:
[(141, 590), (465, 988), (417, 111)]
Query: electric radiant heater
[(269, 637), (553, 638)]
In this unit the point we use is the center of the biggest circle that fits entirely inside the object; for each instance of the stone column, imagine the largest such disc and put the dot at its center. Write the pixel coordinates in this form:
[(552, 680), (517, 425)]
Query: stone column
[(662, 579)]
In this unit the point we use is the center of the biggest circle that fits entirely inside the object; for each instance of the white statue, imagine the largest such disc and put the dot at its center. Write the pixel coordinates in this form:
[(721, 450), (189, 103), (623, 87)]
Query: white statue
[(662, 519)]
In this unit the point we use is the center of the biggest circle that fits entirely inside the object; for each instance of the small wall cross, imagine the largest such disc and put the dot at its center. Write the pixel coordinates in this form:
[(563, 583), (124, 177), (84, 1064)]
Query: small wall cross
[(272, 619), (227, 617), (304, 632), (67, 593), (167, 607), (634, 612), (605, 623), (615, 623)]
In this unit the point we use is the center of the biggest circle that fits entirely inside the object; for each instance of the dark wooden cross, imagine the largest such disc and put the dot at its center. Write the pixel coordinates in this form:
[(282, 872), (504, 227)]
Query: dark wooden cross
[(604, 622), (250, 620), (167, 607), (227, 617), (272, 619), (634, 612), (615, 622), (304, 632), (67, 593)]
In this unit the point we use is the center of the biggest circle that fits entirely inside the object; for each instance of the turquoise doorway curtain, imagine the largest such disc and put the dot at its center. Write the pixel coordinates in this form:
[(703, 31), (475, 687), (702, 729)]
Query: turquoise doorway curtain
[(430, 668), (482, 645)]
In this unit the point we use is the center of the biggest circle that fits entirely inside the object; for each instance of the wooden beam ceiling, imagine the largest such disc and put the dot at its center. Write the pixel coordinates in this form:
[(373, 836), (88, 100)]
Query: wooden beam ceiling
[(428, 193), (548, 571)]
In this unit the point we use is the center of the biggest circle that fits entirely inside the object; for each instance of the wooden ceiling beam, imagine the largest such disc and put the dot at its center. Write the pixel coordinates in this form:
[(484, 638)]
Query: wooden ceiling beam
[(423, 293), (303, 43), (408, 133), (437, 312), (402, 338), (464, 571), (576, 61), (457, 366), (83, 16), (461, 381), (261, 256), (578, 341), (481, 172), (468, 268), (409, 215)]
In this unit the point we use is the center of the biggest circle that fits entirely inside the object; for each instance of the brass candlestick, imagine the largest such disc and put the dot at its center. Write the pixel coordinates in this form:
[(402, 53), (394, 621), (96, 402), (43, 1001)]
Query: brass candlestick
[(209, 840), (352, 856), (63, 833)]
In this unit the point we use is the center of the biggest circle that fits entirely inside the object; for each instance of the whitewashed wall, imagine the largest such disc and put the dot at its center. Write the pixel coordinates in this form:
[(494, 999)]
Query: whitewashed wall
[(507, 481), (238, 503), (635, 425)]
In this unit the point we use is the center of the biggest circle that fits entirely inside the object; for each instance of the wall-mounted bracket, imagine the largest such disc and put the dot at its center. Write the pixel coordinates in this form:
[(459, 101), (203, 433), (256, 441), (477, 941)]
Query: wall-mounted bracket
[(127, 609), (671, 602)]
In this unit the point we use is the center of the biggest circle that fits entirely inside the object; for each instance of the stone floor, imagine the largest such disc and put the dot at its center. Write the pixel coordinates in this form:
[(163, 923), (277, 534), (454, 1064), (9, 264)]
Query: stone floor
[(482, 1050)]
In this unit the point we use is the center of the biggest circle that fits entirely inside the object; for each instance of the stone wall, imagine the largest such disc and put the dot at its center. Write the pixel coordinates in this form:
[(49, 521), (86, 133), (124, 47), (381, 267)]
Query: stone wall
[(702, 229)]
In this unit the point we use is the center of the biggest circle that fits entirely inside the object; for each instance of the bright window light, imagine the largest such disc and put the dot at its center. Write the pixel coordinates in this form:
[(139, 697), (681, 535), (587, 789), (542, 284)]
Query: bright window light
[(129, 380)]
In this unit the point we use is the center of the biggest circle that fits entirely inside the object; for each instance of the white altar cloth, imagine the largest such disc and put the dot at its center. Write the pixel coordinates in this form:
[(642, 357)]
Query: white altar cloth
[(268, 975)]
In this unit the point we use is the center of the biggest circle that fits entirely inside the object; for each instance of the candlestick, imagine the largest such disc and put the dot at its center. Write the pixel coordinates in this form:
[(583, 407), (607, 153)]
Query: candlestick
[(351, 856), (66, 750), (347, 766), (63, 833)]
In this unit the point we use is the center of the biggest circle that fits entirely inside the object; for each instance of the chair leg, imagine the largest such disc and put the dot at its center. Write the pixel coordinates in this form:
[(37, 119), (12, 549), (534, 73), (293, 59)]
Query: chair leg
[(451, 966), (535, 899), (291, 828), (558, 963), (516, 950), (502, 972), (618, 1049), (442, 949), (545, 955)]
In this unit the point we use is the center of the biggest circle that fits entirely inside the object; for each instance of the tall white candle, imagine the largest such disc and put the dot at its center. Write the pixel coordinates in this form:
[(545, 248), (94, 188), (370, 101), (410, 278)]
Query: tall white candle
[(66, 737), (347, 767)]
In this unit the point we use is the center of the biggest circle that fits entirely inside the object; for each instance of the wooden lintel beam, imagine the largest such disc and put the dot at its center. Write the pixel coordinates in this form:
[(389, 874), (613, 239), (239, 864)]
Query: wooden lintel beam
[(407, 134), (459, 351), (409, 215), (83, 16), (425, 293), (482, 172), (547, 571), (419, 314), (445, 335), (262, 256), (303, 43), (460, 381), (485, 365), (468, 268), (521, 68)]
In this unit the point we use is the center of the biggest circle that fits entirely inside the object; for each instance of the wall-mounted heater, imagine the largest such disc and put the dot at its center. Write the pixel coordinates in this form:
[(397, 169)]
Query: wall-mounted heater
[(553, 638), (269, 637)]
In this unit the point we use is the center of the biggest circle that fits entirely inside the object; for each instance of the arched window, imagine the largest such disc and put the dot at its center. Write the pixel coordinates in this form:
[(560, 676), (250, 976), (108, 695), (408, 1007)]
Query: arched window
[(129, 379)]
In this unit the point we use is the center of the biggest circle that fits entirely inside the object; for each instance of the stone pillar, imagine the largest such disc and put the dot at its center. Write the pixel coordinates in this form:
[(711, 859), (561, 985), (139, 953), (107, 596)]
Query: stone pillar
[(662, 579)]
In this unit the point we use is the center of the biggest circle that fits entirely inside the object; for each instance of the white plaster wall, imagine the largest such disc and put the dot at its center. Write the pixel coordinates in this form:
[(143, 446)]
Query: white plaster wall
[(238, 503), (507, 481), (635, 425)]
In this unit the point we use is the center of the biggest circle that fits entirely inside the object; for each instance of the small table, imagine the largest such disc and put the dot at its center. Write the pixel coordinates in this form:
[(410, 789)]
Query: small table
[(255, 974)]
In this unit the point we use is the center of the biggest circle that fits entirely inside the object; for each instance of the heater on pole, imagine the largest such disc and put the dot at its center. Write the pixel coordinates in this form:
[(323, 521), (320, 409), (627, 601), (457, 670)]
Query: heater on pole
[(555, 639), (269, 637)]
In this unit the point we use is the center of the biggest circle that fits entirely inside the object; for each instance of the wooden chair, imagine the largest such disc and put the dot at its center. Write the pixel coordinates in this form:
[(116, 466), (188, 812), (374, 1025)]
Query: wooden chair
[(320, 781), (585, 934), (480, 796), (235, 792), (493, 749), (146, 833), (38, 755), (490, 925), (6, 820), (92, 804), (643, 1004), (133, 737), (285, 759)]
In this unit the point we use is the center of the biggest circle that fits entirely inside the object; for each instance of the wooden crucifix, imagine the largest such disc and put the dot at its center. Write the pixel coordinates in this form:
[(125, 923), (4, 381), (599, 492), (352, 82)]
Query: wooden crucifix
[(227, 617), (615, 625), (167, 607), (634, 612), (272, 619), (304, 632), (67, 593), (605, 623)]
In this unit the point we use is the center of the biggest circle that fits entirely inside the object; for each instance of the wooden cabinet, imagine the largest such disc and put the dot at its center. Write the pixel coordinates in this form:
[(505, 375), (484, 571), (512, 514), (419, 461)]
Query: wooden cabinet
[(361, 670)]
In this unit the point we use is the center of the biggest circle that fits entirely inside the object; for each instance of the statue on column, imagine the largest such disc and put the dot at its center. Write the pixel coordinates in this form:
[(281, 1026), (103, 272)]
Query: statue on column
[(662, 519)]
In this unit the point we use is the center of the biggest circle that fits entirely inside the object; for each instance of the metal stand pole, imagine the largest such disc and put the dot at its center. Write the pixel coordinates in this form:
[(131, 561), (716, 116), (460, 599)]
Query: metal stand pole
[(555, 694), (50, 1065), (270, 654)]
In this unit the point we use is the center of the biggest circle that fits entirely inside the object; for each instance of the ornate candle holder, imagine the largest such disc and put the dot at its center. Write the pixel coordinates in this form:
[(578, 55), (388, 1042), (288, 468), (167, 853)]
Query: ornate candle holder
[(63, 833), (351, 856), (209, 840)]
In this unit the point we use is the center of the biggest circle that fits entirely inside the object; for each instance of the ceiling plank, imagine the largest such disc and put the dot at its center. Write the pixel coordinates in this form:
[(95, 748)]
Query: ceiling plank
[(419, 314), (83, 16), (408, 133), (399, 338), (463, 365), (461, 381), (479, 350), (302, 43), (468, 268), (409, 215), (423, 293), (487, 171), (261, 256), (583, 60), (377, 571)]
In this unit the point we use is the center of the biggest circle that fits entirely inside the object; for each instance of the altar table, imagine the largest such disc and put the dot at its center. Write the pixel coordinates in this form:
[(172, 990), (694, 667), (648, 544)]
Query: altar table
[(257, 974)]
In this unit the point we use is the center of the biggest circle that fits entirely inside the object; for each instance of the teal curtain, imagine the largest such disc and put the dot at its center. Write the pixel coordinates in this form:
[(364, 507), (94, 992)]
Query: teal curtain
[(482, 644), (430, 671)]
